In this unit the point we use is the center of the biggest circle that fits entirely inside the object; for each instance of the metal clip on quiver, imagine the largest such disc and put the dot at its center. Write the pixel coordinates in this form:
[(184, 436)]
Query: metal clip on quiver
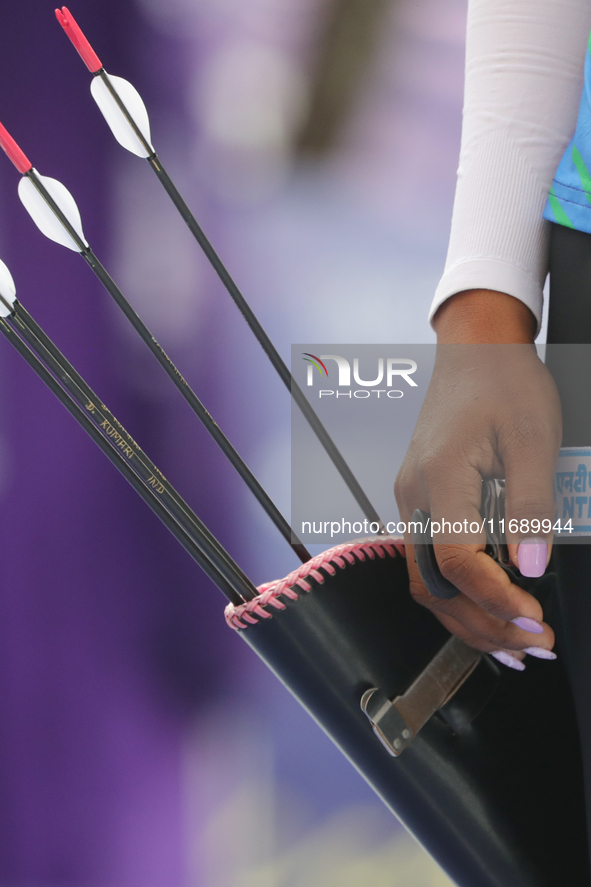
[(482, 764)]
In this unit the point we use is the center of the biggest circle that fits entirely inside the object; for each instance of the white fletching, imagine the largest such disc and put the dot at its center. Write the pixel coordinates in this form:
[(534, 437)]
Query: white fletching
[(7, 290), (43, 215), (120, 126)]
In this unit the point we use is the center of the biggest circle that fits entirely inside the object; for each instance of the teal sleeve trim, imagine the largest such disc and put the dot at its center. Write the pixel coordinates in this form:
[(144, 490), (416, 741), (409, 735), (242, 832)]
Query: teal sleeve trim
[(569, 200)]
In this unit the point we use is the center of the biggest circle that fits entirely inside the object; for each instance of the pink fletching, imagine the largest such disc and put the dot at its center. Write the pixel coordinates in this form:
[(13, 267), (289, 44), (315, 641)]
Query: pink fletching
[(18, 157), (72, 29)]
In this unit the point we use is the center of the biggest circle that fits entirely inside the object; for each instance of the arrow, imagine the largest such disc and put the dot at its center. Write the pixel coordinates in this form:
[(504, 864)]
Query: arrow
[(34, 190), (120, 103), (7, 291), (137, 126), (49, 363), (54, 211), (113, 95)]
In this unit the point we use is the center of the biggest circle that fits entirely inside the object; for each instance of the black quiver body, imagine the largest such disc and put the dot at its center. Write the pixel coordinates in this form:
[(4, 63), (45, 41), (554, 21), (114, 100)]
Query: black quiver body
[(491, 783)]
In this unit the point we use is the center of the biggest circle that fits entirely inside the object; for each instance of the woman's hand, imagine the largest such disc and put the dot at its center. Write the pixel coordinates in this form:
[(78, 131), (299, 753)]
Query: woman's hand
[(491, 410)]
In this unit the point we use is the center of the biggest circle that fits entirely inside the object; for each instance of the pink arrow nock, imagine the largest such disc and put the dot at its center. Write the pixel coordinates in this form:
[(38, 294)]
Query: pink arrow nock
[(18, 157), (72, 29)]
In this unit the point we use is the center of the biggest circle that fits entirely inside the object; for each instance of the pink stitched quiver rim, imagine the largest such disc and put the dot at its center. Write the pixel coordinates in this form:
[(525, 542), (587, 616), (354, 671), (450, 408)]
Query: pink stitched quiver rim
[(240, 617)]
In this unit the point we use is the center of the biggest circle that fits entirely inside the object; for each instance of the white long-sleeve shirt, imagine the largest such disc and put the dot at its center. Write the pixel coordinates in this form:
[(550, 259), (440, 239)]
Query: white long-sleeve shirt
[(524, 76)]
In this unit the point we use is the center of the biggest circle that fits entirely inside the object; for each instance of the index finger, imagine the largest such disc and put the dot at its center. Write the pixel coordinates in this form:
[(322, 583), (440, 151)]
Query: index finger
[(475, 625), (455, 492), (481, 579)]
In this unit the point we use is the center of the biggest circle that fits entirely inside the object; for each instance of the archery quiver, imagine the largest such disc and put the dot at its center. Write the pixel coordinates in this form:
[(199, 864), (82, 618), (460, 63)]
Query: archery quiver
[(481, 764)]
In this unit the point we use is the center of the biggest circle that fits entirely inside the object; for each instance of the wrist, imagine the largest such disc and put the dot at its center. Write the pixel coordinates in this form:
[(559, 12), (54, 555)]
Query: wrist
[(484, 317)]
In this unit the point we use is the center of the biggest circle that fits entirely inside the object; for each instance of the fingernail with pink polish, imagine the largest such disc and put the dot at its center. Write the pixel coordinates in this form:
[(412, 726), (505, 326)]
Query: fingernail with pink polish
[(507, 659), (531, 558), (540, 652), (528, 624)]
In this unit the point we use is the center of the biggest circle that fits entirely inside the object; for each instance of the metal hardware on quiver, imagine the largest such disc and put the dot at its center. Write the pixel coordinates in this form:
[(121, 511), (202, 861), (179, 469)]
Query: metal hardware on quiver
[(396, 723), (490, 784)]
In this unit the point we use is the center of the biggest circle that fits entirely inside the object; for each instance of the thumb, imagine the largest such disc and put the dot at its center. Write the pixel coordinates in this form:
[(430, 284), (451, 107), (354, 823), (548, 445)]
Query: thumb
[(530, 508)]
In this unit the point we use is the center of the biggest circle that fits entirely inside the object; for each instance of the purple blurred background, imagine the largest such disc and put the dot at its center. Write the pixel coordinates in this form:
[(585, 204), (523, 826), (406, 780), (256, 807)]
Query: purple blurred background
[(141, 744)]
